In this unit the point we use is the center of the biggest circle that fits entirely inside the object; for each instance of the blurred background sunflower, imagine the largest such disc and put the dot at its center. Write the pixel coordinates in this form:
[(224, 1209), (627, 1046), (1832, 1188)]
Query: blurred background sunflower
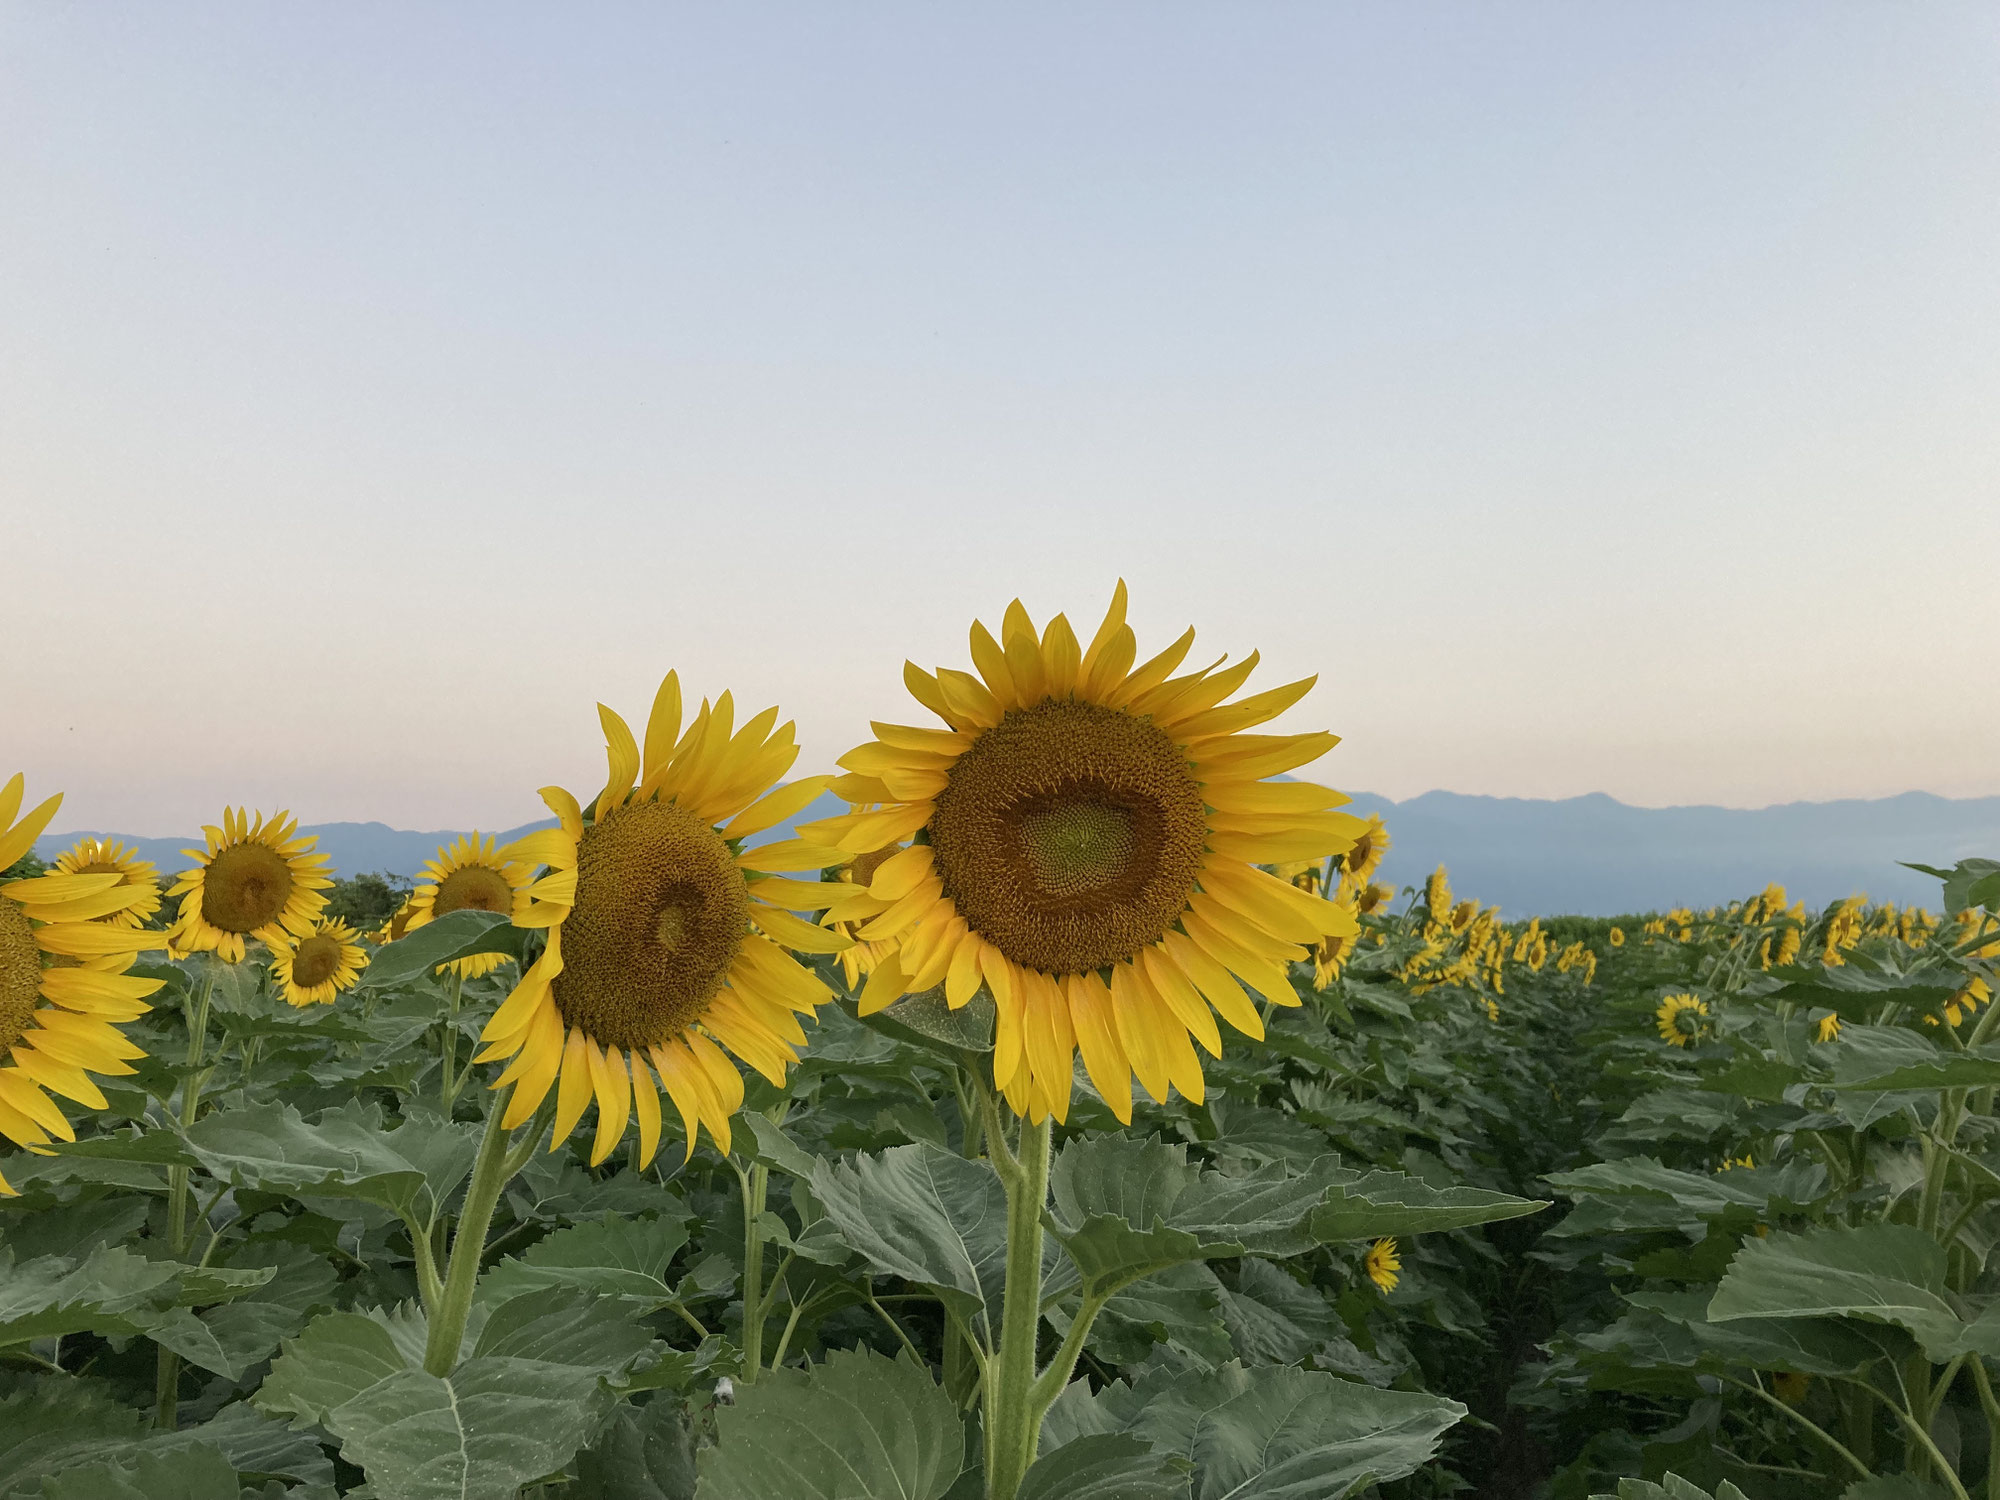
[(63, 985), (255, 879), (666, 938), (468, 874), (1086, 842), (311, 970)]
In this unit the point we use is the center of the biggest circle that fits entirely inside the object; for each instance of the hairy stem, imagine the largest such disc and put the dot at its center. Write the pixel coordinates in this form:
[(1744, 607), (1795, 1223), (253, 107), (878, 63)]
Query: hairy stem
[(1012, 1426), (167, 1379), (491, 1169)]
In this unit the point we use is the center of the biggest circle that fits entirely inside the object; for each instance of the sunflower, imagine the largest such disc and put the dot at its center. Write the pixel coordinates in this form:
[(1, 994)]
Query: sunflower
[(1371, 897), (469, 873), (1087, 836), (254, 880), (313, 969), (665, 937), (1617, 937), (397, 924), (63, 986), (1382, 1264), (1682, 1019), (91, 856), (1437, 894), (1829, 1027), (1370, 844), (859, 959), (1331, 956)]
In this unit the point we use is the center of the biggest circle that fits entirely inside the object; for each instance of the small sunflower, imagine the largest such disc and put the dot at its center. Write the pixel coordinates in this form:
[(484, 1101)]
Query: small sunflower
[(1828, 1028), (1382, 1265), (470, 874), (1682, 1019), (1091, 836), (665, 937), (91, 856), (1370, 844), (397, 924), (1617, 937), (254, 880), (313, 969), (1437, 894), (859, 959), (1331, 956), (63, 986), (1370, 898)]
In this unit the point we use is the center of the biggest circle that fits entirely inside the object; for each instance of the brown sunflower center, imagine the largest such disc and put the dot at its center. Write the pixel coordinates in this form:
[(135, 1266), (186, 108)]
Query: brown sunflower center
[(1069, 835), (1359, 858), (317, 961), (245, 887), (477, 886), (661, 912), (20, 972)]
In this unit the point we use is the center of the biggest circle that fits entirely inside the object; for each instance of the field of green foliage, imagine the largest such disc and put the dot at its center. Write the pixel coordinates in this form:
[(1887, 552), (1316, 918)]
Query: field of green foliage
[(1503, 1209)]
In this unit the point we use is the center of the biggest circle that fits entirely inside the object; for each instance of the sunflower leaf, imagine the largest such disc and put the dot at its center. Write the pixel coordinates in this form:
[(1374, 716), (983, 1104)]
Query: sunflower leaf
[(458, 934), (194, 1472), (1266, 1433), (1881, 1273), (611, 1256), (1106, 1466), (927, 1215), (861, 1426), (532, 1392), (113, 1292)]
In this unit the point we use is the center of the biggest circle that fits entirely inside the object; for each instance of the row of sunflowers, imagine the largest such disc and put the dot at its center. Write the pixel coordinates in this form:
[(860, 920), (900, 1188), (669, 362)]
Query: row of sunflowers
[(922, 1236)]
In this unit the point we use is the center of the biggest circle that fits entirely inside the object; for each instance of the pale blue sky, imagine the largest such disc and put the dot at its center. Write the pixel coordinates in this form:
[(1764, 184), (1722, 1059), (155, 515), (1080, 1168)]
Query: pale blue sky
[(1598, 397)]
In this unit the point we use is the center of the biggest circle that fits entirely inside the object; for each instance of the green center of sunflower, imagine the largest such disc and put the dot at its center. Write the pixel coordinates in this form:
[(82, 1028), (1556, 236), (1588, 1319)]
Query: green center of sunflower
[(1069, 835), (20, 972), (478, 887), (316, 962), (245, 887), (661, 912)]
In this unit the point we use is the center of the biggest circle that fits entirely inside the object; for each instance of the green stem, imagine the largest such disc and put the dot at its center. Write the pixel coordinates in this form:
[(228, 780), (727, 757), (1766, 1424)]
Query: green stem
[(490, 1171), (754, 1185), (1983, 1383), (167, 1379), (1921, 1438), (1011, 1425), (1049, 1384), (1806, 1422), (448, 1043)]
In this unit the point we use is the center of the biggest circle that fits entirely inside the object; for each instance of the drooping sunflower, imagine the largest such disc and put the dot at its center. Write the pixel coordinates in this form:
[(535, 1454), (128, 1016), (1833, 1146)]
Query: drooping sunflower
[(1437, 894), (1371, 897), (470, 874), (1370, 844), (313, 969), (92, 856), (255, 879), (1682, 1018), (397, 924), (1086, 842), (1382, 1264), (63, 985), (665, 936)]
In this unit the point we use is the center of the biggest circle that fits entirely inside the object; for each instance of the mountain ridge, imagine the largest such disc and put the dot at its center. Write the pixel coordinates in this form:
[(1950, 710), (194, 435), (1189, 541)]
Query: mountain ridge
[(1589, 854)]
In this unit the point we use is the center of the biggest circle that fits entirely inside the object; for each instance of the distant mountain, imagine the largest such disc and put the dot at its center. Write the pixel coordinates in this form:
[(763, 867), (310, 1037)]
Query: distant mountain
[(1592, 855)]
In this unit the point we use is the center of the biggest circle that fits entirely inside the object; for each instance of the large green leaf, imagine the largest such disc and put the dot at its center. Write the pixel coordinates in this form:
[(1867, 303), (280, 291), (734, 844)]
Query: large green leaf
[(195, 1472), (1388, 1203), (1970, 882), (114, 1292), (1808, 1346), (645, 1453), (1105, 1466), (458, 934), (861, 1426), (529, 1395), (346, 1153), (1272, 1317), (1128, 1208), (1265, 1434), (927, 1215), (1673, 1487), (611, 1256), (1883, 1273)]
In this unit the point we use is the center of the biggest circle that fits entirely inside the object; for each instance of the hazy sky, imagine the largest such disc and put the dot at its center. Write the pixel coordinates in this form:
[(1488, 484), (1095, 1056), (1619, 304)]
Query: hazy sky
[(1598, 397)]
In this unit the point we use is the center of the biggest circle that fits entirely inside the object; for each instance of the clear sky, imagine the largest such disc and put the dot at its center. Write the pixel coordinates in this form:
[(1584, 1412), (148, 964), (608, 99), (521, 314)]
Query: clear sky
[(1597, 397)]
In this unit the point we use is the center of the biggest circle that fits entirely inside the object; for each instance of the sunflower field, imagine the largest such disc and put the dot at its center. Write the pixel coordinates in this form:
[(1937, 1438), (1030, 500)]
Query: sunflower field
[(1076, 1117)]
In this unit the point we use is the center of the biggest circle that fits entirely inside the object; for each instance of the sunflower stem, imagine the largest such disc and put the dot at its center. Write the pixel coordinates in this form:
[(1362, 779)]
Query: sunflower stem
[(180, 1237), (492, 1168), (1012, 1423), (448, 1043), (755, 1184)]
